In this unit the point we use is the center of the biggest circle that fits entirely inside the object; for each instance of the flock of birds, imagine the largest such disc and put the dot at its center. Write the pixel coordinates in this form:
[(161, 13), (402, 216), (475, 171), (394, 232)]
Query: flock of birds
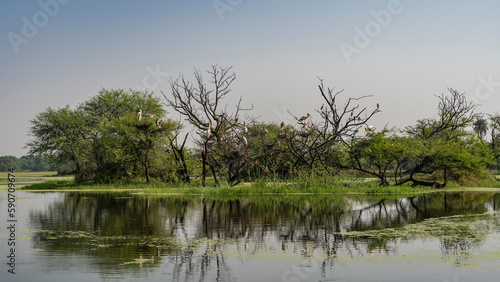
[(304, 121)]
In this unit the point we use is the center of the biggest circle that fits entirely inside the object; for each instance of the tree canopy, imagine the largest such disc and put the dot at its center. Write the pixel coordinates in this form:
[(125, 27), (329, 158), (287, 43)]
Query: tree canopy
[(105, 139)]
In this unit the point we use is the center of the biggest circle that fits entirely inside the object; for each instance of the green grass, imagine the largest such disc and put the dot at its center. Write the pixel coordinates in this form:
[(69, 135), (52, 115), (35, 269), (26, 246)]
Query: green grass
[(48, 181), (23, 179)]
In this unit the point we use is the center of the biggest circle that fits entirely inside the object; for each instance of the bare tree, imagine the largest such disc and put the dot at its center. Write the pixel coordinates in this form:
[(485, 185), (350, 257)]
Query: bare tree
[(454, 112), (343, 121), (203, 108), (311, 143)]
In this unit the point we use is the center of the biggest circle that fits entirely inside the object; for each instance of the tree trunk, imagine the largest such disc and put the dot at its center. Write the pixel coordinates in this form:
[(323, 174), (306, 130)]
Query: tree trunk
[(203, 168)]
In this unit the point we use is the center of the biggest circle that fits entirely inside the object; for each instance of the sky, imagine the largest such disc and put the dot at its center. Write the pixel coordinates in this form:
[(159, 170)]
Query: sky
[(61, 52)]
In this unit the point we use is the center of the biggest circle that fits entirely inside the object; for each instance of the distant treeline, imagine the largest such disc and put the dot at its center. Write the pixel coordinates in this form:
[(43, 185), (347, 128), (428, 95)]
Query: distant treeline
[(31, 163)]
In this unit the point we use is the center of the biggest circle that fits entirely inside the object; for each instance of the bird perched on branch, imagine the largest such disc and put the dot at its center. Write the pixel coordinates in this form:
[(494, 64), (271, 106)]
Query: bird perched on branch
[(236, 119), (245, 127), (370, 128), (282, 126), (159, 121), (378, 106), (139, 114), (244, 140), (304, 117)]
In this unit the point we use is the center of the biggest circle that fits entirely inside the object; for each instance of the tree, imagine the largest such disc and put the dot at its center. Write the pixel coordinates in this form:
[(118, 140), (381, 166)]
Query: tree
[(179, 153), (58, 134), (378, 154), (103, 137), (495, 137), (220, 132), (313, 144), (443, 144), (35, 163), (440, 148), (8, 162), (480, 126)]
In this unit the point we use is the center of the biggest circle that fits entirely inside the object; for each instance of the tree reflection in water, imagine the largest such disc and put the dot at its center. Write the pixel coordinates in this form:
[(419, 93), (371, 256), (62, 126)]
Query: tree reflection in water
[(201, 238)]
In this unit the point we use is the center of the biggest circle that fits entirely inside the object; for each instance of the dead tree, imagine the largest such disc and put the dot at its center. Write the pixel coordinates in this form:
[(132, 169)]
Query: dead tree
[(313, 142), (203, 108)]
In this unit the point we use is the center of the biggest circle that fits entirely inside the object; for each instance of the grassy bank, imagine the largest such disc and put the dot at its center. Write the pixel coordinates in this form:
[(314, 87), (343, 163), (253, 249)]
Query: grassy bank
[(23, 179), (49, 181)]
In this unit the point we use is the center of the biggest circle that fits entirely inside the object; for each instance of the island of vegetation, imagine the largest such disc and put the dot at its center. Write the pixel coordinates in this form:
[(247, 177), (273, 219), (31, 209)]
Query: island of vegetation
[(127, 138)]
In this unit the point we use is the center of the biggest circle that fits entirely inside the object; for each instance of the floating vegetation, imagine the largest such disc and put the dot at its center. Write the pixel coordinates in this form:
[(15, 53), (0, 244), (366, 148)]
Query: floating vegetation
[(84, 238), (463, 227)]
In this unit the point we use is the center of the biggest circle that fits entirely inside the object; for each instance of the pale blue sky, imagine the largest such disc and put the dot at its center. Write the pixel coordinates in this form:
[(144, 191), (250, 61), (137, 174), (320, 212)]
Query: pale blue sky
[(277, 49)]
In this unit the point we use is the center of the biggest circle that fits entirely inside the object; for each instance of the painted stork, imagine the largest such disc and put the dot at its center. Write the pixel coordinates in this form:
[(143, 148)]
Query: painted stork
[(139, 114), (236, 119), (245, 127), (209, 130), (304, 117), (282, 126), (159, 121), (244, 140), (370, 128)]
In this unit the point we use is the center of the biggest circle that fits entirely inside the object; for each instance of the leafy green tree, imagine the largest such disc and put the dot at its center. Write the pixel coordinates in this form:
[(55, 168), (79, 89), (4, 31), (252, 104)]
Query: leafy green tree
[(443, 144), (58, 133), (439, 149), (379, 154), (103, 137)]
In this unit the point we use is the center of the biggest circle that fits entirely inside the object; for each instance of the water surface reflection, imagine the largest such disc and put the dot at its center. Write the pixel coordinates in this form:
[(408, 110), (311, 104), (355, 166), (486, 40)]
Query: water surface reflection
[(268, 238)]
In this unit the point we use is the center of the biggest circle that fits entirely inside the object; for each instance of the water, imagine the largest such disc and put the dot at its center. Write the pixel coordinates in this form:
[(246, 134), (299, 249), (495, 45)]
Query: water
[(108, 237)]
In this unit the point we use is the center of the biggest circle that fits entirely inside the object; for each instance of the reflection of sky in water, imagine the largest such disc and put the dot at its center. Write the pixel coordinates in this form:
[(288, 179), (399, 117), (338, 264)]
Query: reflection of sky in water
[(246, 242)]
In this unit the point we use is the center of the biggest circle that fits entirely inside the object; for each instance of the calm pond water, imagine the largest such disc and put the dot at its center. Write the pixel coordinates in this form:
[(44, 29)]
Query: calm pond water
[(109, 237)]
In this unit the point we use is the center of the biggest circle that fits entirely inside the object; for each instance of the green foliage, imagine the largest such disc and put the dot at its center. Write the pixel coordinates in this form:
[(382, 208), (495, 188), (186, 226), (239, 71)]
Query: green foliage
[(28, 163), (7, 162), (102, 139)]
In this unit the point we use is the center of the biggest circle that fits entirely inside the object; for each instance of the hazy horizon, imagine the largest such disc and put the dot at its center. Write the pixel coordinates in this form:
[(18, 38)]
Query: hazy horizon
[(404, 53)]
